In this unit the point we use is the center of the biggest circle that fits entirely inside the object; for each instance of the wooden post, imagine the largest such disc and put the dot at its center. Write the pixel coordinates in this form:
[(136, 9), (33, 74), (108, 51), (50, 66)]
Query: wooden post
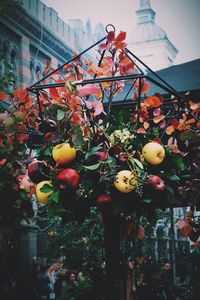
[(112, 255)]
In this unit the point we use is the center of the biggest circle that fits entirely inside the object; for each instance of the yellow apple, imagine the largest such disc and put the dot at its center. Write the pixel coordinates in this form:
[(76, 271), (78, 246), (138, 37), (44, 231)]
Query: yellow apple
[(63, 153), (153, 153), (42, 197), (125, 181)]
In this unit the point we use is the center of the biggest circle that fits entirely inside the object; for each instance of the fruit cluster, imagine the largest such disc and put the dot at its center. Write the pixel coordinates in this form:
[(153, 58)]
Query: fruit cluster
[(62, 174)]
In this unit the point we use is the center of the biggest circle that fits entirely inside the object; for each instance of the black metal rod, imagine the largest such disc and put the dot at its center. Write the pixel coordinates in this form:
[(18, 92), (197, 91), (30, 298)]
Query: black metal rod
[(112, 255), (171, 92), (155, 74), (106, 79), (60, 67), (87, 81)]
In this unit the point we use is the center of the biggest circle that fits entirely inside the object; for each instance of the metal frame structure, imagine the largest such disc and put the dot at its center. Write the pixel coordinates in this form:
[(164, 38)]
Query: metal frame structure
[(111, 233)]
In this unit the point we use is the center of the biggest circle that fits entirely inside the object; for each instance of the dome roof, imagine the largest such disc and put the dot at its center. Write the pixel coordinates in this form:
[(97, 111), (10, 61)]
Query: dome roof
[(147, 32)]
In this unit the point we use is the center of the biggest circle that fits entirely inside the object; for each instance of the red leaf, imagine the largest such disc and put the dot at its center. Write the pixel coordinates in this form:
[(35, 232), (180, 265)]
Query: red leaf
[(88, 89), (156, 112), (140, 233), (186, 230), (97, 106), (3, 161), (158, 119), (141, 130), (145, 86), (146, 125), (54, 93), (103, 46), (110, 36), (3, 96), (134, 96), (180, 224), (152, 101), (121, 36), (169, 130)]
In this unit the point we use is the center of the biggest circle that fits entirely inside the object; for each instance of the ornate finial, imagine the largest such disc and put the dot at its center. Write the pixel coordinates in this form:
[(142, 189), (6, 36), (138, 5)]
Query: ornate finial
[(145, 4)]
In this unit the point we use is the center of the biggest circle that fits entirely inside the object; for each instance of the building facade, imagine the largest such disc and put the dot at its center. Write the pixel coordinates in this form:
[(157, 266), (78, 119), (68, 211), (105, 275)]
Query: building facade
[(32, 33), (149, 41)]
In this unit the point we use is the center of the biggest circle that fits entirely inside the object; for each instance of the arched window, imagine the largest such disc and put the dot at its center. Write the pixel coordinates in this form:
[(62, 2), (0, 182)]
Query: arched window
[(13, 60), (32, 71), (14, 66), (5, 57), (38, 73)]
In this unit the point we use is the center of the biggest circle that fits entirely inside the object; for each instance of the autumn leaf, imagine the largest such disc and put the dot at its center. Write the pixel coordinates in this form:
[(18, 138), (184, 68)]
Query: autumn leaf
[(141, 130), (3, 96), (126, 67), (180, 224), (95, 106), (119, 41), (185, 231), (156, 112), (190, 121), (158, 119), (67, 67), (3, 161), (103, 46), (145, 86), (25, 182), (146, 125), (121, 37), (152, 101), (134, 96), (54, 94), (88, 89), (193, 105), (110, 36), (140, 233), (163, 125), (170, 129)]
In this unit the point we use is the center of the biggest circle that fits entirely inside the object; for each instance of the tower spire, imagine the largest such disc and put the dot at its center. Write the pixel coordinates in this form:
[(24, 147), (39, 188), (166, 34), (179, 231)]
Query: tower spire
[(145, 4), (145, 12)]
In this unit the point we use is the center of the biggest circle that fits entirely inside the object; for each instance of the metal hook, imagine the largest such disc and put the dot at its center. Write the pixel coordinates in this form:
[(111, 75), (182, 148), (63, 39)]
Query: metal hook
[(112, 28)]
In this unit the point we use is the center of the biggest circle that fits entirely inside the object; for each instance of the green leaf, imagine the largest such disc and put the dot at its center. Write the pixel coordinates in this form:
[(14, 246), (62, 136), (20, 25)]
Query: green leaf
[(169, 189), (177, 159), (138, 163), (93, 167), (147, 200), (54, 196), (174, 178), (110, 160), (46, 188), (70, 87), (186, 135), (60, 114), (92, 151), (77, 139), (47, 152)]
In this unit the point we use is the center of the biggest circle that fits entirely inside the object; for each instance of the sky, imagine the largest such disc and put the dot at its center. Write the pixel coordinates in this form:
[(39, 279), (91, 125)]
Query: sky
[(179, 18)]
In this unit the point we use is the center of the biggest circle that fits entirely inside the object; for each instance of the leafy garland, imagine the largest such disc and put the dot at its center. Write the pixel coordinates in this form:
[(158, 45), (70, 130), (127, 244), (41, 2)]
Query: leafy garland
[(103, 141)]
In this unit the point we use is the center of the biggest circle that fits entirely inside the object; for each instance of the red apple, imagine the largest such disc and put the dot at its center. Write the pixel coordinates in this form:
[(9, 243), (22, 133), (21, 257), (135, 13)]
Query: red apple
[(68, 178), (100, 155), (38, 171), (103, 198), (156, 182)]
